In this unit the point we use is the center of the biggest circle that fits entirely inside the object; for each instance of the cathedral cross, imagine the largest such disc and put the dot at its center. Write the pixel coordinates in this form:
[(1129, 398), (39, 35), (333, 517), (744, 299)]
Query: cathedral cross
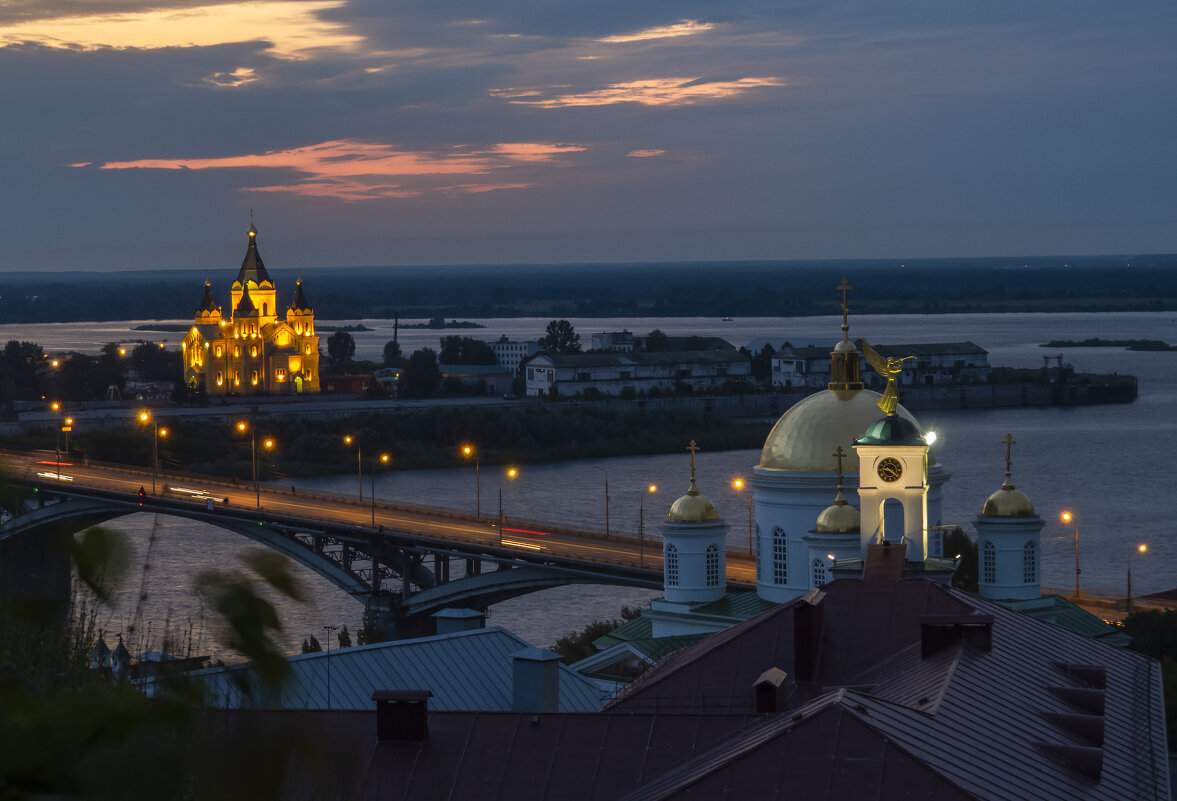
[(838, 454), (1008, 441), (693, 448), (845, 287)]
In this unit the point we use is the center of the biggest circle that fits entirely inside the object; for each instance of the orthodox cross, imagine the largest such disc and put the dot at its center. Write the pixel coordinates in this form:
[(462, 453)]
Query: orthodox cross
[(845, 287), (693, 448), (838, 454), (1009, 441)]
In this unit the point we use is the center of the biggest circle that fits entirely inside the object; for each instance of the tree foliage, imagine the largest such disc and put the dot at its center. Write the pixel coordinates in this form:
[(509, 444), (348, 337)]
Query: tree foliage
[(19, 362), (341, 346), (457, 349), (657, 341), (560, 337), (393, 356), (421, 376)]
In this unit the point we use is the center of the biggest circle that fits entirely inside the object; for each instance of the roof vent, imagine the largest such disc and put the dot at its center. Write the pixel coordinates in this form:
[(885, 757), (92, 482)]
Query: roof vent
[(1093, 675), (1081, 759), (938, 632), (401, 714), (1086, 700), (808, 614), (1088, 728), (768, 692)]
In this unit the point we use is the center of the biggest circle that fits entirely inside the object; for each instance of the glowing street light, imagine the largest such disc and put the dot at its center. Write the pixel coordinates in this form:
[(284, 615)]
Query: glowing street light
[(384, 460), (642, 525), (146, 417), (738, 484), (268, 444), (348, 439), (510, 473), (1141, 548), (1067, 517), (468, 451)]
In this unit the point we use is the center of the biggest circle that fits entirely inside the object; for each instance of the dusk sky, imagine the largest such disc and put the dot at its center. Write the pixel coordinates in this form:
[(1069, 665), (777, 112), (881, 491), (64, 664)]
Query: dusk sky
[(368, 132)]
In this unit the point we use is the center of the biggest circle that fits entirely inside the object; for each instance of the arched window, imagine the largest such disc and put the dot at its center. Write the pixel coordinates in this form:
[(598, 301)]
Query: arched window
[(253, 377), (265, 309), (253, 351), (1030, 563), (220, 352), (989, 563), (780, 553), (819, 572), (671, 566), (712, 565)]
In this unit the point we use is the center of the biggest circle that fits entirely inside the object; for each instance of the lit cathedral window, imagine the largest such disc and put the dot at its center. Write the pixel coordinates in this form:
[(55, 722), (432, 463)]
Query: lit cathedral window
[(671, 566), (1030, 563), (989, 563), (780, 554), (712, 565)]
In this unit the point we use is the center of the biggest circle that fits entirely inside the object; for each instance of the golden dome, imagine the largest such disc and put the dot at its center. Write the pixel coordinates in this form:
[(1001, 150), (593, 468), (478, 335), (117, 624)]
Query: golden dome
[(694, 507), (839, 517), (1008, 502), (805, 437)]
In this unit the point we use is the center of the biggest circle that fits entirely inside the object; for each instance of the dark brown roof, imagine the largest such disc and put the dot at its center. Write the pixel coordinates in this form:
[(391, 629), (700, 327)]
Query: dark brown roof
[(207, 303), (245, 305), (300, 302), (252, 268)]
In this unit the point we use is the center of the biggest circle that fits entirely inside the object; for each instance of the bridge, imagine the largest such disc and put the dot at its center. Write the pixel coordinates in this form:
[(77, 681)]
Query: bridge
[(403, 563)]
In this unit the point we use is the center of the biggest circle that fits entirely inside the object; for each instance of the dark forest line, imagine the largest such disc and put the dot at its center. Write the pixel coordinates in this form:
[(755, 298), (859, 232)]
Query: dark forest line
[(711, 289)]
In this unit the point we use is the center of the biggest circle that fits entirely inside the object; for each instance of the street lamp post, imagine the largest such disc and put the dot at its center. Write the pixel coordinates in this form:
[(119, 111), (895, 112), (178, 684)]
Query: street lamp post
[(384, 457), (329, 630), (606, 472), (1142, 548), (348, 440), (510, 472), (156, 432), (739, 485), (470, 450), (255, 466), (1067, 517), (642, 525)]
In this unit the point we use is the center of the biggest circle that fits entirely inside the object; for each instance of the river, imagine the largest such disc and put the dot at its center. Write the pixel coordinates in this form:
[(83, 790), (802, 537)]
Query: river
[(1106, 464)]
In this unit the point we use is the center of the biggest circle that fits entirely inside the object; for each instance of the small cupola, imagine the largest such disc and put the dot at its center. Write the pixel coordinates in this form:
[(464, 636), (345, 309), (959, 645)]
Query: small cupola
[(1008, 501), (1009, 535), (839, 517)]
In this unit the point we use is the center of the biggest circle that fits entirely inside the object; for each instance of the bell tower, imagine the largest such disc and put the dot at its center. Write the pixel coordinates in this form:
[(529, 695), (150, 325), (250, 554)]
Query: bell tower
[(893, 486)]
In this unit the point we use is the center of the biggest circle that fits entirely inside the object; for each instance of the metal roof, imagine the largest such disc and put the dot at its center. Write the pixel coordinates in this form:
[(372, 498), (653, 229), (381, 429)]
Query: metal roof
[(468, 670)]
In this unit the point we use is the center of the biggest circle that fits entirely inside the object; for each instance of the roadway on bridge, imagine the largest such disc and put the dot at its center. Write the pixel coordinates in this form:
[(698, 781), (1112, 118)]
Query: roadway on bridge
[(429, 525)]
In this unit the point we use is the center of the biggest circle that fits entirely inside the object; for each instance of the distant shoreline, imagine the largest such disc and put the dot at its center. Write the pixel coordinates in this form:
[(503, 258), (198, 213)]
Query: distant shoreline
[(1096, 342)]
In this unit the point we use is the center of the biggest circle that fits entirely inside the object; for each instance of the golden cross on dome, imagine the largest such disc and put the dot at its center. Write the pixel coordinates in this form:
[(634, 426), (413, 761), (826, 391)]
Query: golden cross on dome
[(693, 448), (1009, 441), (845, 287)]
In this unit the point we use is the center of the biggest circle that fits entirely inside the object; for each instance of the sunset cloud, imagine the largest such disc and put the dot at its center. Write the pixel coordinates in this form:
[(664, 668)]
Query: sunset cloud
[(645, 154), (352, 170), (651, 92), (291, 28), (685, 27)]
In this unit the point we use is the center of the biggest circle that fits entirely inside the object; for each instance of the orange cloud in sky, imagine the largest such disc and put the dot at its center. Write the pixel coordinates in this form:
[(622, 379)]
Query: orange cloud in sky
[(352, 170), (650, 92), (684, 27), (292, 28), (644, 154)]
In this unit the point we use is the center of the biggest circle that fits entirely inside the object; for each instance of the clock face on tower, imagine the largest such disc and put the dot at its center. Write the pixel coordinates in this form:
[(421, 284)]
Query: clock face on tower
[(890, 469)]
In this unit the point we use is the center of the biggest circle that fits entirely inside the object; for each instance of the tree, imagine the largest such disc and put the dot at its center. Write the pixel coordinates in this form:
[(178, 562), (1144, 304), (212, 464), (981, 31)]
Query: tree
[(344, 638), (465, 350), (422, 375), (155, 363), (340, 347), (657, 342), (311, 646), (451, 350), (393, 357), (560, 338), (762, 363)]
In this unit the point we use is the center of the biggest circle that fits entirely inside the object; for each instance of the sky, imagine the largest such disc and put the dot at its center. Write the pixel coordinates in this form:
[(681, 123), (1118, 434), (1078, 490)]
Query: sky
[(137, 135)]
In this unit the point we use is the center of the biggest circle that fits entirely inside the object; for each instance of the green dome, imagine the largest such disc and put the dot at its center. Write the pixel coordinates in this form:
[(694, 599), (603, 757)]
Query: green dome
[(892, 431)]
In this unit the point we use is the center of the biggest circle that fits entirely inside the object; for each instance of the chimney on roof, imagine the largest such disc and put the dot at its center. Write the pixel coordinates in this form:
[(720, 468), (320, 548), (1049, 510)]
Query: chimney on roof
[(535, 674), (938, 632), (401, 714), (768, 693), (808, 614), (452, 621)]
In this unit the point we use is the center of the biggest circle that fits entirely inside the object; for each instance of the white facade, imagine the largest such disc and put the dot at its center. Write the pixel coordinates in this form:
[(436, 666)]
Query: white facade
[(612, 374), (893, 496), (511, 353), (694, 572)]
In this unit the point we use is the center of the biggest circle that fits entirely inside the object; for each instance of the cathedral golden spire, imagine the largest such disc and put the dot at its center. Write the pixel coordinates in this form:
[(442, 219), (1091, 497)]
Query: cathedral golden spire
[(844, 370)]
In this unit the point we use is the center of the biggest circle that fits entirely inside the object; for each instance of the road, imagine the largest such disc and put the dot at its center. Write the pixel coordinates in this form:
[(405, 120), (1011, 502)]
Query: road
[(430, 526)]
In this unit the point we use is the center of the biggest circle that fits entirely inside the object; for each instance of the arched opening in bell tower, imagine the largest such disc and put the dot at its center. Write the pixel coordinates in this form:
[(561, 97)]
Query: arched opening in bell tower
[(893, 521)]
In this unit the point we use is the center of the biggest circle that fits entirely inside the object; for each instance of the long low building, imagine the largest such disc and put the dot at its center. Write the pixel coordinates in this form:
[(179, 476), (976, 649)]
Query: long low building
[(621, 373), (934, 363)]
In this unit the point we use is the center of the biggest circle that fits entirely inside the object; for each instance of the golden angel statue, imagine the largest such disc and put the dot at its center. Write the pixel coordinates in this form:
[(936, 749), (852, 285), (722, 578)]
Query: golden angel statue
[(888, 368)]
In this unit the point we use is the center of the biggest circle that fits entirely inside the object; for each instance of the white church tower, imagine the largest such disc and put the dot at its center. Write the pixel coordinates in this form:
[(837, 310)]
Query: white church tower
[(694, 567), (1009, 543), (893, 486)]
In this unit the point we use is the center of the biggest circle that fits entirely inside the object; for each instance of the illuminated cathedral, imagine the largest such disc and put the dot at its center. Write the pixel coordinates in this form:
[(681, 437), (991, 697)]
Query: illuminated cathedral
[(253, 351)]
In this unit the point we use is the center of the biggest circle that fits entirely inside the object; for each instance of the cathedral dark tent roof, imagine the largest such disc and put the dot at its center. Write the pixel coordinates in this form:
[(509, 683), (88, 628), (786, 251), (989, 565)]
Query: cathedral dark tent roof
[(245, 306), (252, 268), (207, 304), (300, 302)]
